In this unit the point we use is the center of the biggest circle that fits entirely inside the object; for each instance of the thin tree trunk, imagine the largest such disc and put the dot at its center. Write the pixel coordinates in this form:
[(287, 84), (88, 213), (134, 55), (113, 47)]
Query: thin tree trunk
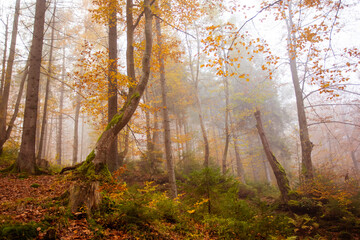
[(4, 98), (47, 89), (47, 146), (112, 160), (4, 138), (166, 120), (280, 175), (60, 118), (306, 144), (239, 166), (4, 57), (195, 78), (227, 133), (76, 130), (26, 159)]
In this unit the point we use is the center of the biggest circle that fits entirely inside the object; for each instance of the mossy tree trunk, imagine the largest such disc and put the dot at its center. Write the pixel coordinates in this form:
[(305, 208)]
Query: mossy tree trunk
[(279, 172), (96, 160)]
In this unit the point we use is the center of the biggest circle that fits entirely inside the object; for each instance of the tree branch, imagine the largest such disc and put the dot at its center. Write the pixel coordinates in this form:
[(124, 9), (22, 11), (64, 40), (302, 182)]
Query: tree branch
[(178, 29), (247, 21)]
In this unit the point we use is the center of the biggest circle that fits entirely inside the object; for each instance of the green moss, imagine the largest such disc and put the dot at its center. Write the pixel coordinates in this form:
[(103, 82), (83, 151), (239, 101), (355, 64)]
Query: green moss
[(116, 118), (89, 171), (18, 231), (35, 185)]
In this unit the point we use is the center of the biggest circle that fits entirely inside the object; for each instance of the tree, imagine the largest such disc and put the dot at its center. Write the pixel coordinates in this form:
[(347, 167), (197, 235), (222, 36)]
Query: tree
[(5, 88), (281, 178), (26, 159), (166, 120), (112, 160), (96, 160), (47, 89)]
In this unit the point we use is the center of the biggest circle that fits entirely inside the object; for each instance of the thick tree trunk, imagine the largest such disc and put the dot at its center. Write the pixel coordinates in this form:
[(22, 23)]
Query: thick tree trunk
[(26, 159), (280, 175), (166, 120), (306, 144), (47, 89), (4, 98), (112, 160)]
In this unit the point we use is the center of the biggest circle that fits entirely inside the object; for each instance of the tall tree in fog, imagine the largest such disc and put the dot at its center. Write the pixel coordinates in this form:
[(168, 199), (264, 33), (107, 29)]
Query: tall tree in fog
[(166, 120), (41, 149), (112, 158), (5, 86), (26, 159)]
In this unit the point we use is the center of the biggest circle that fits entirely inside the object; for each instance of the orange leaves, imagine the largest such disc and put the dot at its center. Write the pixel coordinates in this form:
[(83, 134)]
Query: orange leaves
[(227, 60)]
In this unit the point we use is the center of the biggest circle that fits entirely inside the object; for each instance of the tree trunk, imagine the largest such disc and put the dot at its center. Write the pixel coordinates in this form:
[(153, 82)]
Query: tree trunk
[(4, 138), (99, 155), (166, 120), (2, 81), (280, 175), (227, 134), (96, 160), (26, 159), (47, 89), (76, 130), (239, 166), (306, 144), (4, 98), (195, 78), (60, 118), (112, 160)]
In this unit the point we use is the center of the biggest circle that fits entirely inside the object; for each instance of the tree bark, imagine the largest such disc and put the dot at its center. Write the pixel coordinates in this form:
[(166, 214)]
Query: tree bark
[(4, 98), (26, 159), (306, 144), (112, 161), (47, 89), (280, 174), (166, 120)]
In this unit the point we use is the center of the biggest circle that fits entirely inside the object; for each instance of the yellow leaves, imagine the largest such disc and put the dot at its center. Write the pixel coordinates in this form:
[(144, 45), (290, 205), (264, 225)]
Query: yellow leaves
[(242, 76), (198, 205)]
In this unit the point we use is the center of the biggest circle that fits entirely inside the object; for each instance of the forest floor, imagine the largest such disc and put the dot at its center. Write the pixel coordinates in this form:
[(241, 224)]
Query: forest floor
[(29, 199), (34, 207)]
